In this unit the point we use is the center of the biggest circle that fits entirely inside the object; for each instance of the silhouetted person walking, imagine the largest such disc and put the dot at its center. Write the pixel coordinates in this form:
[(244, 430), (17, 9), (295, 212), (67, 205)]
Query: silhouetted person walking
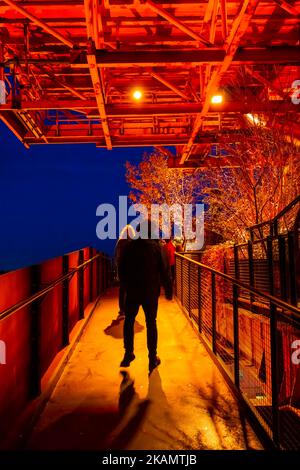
[(141, 271), (126, 236)]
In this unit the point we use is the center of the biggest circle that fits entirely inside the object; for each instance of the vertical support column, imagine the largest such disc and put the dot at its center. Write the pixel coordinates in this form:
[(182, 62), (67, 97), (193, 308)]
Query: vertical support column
[(275, 228), (2, 76), (236, 262), (282, 267), (91, 271), (235, 305), (251, 268), (181, 280), (65, 302), (105, 272), (274, 373), (35, 336), (175, 275), (213, 311), (98, 274), (102, 273), (199, 301), (292, 268), (81, 284), (273, 344), (236, 348), (270, 265)]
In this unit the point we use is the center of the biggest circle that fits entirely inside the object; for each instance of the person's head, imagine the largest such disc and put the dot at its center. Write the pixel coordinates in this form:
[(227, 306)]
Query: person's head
[(127, 232), (167, 240)]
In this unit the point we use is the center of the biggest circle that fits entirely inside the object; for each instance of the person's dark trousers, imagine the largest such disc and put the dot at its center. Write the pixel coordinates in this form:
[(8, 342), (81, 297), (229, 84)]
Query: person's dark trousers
[(173, 272), (149, 305), (122, 297), (169, 284)]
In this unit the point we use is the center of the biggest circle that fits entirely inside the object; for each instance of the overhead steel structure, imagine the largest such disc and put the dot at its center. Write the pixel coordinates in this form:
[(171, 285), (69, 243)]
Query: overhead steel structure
[(70, 68)]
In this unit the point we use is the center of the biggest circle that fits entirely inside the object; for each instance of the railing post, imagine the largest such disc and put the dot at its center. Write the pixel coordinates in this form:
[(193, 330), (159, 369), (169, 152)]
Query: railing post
[(102, 274), (213, 310), (282, 267), (199, 300), (91, 271), (181, 280), (105, 273), (275, 228), (175, 275), (251, 268), (189, 288), (270, 264), (236, 348), (35, 336), (65, 302), (81, 285), (292, 268), (98, 274), (236, 262), (274, 373)]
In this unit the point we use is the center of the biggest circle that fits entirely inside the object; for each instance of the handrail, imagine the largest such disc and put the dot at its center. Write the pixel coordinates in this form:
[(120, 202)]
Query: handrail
[(24, 303), (278, 216), (274, 300)]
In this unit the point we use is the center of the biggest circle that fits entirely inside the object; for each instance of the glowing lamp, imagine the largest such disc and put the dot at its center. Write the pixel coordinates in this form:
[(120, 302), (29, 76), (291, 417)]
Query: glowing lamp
[(137, 94), (217, 99)]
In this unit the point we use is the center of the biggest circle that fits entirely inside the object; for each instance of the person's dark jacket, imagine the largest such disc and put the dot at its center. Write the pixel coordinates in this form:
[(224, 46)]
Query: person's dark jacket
[(141, 268)]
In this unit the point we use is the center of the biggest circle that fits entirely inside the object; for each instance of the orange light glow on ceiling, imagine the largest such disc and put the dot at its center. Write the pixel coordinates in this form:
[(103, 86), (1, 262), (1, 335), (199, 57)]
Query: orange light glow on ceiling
[(137, 95)]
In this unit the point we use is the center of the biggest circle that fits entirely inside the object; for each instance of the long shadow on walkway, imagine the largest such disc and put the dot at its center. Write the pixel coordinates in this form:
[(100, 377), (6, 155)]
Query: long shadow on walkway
[(115, 329), (184, 404)]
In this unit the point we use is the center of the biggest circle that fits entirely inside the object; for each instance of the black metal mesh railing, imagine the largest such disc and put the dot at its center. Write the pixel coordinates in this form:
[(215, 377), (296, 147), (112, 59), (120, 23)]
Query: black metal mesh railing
[(255, 337)]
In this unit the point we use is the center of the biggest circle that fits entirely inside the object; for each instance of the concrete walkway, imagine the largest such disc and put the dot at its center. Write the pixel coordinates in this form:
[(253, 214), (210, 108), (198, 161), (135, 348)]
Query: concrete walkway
[(185, 404)]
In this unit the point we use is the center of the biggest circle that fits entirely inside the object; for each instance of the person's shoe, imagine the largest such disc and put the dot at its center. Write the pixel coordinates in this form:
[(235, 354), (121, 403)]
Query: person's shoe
[(127, 359), (153, 363)]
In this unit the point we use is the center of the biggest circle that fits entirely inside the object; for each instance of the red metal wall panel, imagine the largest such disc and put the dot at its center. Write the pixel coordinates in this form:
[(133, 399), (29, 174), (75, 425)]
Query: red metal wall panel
[(15, 332), (95, 275), (73, 291), (86, 278), (51, 313)]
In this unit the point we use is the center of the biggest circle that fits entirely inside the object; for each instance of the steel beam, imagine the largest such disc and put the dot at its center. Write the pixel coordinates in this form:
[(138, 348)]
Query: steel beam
[(174, 21), (169, 85), (38, 22), (263, 55), (114, 110), (288, 7), (99, 97), (238, 28)]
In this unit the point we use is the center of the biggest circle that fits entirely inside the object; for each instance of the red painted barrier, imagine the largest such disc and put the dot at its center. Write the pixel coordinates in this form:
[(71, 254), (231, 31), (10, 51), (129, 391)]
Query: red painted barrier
[(50, 313), (16, 330), (73, 291)]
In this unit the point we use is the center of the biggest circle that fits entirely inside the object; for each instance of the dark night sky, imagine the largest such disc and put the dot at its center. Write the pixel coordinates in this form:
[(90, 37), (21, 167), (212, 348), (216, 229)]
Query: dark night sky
[(49, 195)]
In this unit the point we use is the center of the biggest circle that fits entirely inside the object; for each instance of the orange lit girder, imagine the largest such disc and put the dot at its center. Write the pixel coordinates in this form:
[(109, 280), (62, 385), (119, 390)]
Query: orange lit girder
[(213, 55), (70, 68), (238, 28), (16, 6), (90, 107), (291, 9), (98, 89), (171, 18)]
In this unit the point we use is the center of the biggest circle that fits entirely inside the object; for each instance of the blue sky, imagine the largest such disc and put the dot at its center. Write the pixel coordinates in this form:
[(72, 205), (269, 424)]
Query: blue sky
[(49, 195)]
